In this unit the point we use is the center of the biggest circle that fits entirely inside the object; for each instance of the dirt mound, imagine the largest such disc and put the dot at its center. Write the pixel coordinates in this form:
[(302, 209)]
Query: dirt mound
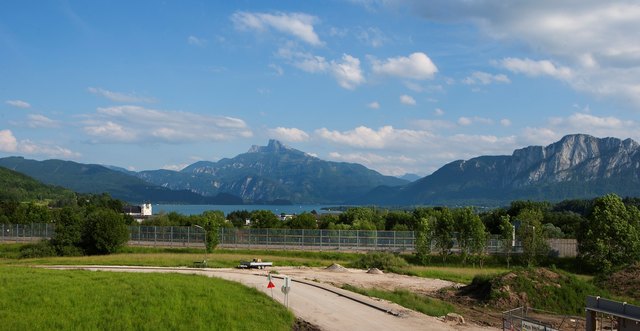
[(625, 282), (374, 271), (539, 288), (336, 268)]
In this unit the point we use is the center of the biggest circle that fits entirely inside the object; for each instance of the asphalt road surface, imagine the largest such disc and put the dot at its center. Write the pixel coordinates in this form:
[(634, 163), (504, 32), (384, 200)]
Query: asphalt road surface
[(327, 307)]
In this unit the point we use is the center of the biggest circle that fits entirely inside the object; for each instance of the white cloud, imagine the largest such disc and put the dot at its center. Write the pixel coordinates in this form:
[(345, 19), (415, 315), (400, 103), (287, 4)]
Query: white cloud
[(195, 41), (433, 125), (139, 124), (372, 36), (120, 97), (605, 126), (347, 72), (484, 78), (407, 100), (364, 137), (41, 121), (505, 122), (438, 112), (588, 44), (18, 104), (288, 134), (9, 144), (374, 105), (536, 68), (297, 25), (416, 66), (466, 121)]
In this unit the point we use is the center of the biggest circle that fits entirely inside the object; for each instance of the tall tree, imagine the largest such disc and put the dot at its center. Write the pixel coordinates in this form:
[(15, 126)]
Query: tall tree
[(611, 236), (470, 232), (443, 228)]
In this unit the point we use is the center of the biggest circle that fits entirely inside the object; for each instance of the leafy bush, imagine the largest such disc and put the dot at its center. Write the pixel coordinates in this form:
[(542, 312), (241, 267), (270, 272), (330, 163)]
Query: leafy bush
[(380, 260), (105, 232), (40, 249)]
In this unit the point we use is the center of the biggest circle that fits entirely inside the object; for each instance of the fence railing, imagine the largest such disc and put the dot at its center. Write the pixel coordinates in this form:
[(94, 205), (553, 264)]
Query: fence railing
[(303, 239)]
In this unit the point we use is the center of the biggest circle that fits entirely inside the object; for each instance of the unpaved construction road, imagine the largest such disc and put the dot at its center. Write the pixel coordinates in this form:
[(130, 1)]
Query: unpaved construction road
[(325, 306)]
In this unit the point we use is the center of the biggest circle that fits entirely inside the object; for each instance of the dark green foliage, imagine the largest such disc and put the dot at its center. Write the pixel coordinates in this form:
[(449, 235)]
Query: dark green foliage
[(70, 224), (303, 221), (380, 260), (105, 231), (539, 288), (238, 217), (265, 219), (42, 248), (18, 187), (96, 179), (611, 237)]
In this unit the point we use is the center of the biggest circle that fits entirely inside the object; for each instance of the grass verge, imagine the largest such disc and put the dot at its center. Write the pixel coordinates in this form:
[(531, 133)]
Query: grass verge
[(36, 299), (413, 301)]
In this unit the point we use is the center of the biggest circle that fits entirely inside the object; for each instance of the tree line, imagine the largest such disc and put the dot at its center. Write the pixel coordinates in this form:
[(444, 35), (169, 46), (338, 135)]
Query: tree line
[(607, 228)]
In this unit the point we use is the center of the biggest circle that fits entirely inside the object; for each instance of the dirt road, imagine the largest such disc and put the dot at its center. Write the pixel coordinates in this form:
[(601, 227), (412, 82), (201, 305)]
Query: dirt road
[(335, 310)]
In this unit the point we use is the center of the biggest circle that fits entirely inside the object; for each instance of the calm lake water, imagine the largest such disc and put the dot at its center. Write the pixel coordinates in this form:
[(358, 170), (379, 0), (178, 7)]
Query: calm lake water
[(226, 209)]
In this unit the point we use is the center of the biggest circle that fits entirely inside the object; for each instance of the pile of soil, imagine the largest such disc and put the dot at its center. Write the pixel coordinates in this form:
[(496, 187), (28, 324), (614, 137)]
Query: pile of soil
[(539, 288), (625, 282), (375, 271), (336, 268)]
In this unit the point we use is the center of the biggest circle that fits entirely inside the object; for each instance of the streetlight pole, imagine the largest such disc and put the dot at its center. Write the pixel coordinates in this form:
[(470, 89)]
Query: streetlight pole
[(205, 242)]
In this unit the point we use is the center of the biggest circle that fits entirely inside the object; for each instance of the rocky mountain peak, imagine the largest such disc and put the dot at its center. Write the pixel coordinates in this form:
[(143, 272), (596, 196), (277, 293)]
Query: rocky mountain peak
[(274, 146)]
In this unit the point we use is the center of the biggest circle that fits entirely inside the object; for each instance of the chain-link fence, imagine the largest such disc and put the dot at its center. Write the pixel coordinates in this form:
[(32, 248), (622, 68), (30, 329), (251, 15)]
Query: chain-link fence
[(303, 239), (317, 239), (26, 232)]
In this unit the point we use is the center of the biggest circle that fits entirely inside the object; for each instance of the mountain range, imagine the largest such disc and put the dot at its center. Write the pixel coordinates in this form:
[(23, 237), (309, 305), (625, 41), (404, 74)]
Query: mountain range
[(275, 172), (577, 166)]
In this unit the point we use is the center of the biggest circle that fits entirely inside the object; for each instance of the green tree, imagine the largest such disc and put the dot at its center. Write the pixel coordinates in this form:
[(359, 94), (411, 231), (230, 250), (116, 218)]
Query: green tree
[(265, 219), (506, 237), (610, 238), (531, 235), (470, 232), (105, 231), (212, 221), (70, 224), (424, 234), (443, 228), (303, 221)]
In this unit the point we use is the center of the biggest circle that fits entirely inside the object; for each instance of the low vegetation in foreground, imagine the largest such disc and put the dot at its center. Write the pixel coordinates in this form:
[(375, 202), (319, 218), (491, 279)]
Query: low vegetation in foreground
[(413, 301), (541, 288), (37, 299)]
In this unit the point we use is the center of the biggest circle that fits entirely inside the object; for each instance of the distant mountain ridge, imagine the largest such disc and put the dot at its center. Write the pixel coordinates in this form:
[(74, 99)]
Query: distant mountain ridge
[(274, 172), (577, 166), (92, 178)]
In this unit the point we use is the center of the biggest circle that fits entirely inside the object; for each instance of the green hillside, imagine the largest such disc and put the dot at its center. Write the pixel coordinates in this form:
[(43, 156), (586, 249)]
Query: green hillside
[(18, 187)]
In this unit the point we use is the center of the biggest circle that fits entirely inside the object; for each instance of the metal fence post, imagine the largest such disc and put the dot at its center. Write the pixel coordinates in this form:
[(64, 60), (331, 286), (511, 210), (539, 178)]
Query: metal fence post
[(155, 235)]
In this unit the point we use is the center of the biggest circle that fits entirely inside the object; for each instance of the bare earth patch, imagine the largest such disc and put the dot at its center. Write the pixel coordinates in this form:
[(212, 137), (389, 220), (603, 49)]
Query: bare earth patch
[(361, 278)]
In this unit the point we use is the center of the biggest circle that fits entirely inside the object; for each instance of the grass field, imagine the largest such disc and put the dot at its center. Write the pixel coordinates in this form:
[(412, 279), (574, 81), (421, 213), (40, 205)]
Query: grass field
[(417, 302), (36, 299)]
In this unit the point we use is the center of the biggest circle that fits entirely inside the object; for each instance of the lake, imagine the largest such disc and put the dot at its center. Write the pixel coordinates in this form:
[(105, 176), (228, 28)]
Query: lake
[(226, 209)]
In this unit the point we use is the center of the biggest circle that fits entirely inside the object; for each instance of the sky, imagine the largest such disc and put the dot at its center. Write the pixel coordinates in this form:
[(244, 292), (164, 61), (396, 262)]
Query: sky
[(400, 86)]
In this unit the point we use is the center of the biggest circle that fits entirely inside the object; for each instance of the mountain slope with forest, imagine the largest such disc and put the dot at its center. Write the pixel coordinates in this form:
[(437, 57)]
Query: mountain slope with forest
[(91, 178)]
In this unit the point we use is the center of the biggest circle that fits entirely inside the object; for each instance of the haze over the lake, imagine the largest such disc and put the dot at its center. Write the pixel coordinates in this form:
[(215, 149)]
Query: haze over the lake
[(399, 86)]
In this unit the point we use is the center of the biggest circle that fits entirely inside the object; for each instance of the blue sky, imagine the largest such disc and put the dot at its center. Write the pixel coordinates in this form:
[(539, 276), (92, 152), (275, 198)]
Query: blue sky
[(400, 86)]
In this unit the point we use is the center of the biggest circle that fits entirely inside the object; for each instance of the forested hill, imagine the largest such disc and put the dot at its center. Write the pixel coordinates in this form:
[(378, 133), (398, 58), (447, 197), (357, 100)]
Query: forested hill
[(18, 187), (92, 178)]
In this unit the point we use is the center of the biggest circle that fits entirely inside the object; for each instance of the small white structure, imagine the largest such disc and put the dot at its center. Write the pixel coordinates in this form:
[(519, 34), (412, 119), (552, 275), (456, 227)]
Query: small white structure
[(140, 212)]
